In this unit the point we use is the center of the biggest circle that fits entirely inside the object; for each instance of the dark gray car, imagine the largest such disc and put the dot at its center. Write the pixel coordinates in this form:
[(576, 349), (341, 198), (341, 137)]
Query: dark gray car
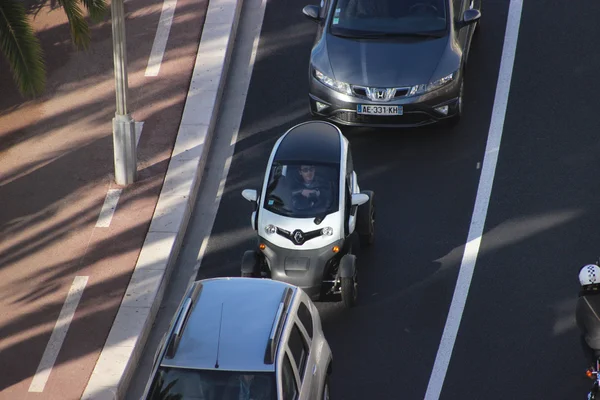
[(390, 63)]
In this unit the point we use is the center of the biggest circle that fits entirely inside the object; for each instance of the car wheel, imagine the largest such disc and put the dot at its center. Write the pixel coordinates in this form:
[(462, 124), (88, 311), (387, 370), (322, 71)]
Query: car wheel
[(453, 121), (366, 220), (326, 389), (250, 265), (349, 291)]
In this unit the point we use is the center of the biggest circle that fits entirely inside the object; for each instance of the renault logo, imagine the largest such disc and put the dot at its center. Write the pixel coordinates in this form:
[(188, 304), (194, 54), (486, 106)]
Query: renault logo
[(298, 237)]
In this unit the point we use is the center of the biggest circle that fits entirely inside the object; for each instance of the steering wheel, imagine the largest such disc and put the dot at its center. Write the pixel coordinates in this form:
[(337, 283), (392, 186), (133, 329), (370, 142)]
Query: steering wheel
[(422, 7), (301, 203)]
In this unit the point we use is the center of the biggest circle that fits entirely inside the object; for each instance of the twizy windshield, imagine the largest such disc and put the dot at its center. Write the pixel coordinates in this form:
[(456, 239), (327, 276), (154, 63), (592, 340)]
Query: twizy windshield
[(382, 18), (302, 190), (184, 384)]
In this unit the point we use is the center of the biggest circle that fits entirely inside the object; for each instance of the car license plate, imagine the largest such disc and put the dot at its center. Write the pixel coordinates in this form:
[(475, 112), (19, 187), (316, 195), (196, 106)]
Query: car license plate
[(379, 110)]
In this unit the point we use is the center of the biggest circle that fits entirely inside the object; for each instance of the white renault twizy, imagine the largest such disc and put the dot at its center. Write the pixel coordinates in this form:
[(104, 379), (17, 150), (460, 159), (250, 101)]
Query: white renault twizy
[(309, 212)]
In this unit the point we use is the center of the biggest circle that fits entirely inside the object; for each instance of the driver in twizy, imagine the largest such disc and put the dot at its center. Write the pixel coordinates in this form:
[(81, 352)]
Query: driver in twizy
[(310, 190), (588, 311)]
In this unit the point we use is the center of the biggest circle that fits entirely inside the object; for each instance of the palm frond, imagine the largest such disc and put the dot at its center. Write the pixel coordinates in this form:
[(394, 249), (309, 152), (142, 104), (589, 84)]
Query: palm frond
[(97, 9), (21, 48), (80, 30)]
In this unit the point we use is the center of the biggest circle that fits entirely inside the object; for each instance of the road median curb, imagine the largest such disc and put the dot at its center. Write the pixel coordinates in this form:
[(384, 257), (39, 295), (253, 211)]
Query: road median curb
[(133, 322)]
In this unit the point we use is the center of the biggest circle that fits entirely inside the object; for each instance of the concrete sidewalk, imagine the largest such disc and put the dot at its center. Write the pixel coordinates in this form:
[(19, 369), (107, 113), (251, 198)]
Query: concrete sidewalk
[(57, 231)]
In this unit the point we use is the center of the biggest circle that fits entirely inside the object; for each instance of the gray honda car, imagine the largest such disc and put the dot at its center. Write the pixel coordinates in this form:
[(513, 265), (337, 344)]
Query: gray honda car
[(390, 63)]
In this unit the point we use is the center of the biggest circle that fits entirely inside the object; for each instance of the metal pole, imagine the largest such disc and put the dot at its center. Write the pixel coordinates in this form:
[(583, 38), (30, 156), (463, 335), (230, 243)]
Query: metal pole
[(123, 125)]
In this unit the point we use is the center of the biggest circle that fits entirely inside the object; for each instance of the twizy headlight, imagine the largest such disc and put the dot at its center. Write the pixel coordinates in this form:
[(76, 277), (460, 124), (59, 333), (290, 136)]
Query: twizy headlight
[(327, 231), (341, 87), (270, 229), (431, 86)]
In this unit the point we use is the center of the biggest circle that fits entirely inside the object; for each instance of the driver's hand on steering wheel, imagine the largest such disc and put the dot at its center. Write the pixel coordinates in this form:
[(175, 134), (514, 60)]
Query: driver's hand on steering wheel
[(308, 192)]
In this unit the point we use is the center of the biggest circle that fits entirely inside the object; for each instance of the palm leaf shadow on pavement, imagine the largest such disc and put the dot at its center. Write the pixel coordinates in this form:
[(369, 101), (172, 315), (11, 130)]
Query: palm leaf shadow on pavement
[(56, 164)]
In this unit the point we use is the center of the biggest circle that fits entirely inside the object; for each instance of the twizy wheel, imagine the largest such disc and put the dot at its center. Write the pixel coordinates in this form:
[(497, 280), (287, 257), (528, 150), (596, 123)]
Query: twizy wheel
[(365, 224), (326, 389), (348, 280), (250, 265)]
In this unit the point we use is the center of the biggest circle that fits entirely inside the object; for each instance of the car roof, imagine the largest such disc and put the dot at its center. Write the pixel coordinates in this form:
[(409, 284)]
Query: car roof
[(312, 141), (240, 332)]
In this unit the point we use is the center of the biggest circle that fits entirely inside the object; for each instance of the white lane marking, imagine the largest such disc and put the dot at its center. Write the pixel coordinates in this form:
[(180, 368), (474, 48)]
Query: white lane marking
[(201, 253), (223, 179), (467, 267), (58, 334), (478, 165), (139, 125), (199, 258), (234, 100), (160, 40), (260, 12), (108, 209)]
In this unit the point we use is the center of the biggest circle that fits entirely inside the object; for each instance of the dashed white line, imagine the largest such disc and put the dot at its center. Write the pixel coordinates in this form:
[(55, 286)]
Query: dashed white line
[(58, 335), (467, 267), (108, 209), (160, 40)]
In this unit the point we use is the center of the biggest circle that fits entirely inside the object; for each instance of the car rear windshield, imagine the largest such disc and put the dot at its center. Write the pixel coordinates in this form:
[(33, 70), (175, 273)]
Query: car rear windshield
[(302, 190), (184, 384), (388, 17)]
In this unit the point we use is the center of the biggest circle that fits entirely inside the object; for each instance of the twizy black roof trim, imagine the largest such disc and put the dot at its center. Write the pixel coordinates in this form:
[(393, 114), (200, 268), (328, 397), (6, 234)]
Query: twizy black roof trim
[(313, 141)]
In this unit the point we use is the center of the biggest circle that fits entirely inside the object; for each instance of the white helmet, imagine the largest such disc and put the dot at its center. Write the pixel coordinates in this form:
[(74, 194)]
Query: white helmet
[(589, 274)]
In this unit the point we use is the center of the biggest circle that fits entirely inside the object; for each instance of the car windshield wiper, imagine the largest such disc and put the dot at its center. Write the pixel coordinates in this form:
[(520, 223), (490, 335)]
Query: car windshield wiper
[(401, 34), (319, 218), (375, 35)]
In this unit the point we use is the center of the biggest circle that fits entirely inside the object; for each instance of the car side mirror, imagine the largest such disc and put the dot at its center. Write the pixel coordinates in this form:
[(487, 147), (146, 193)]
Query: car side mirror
[(312, 12), (359, 198), (470, 16), (250, 194)]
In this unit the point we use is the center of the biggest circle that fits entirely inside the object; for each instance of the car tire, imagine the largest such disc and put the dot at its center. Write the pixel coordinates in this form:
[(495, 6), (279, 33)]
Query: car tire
[(326, 391), (365, 223), (250, 261), (349, 282), (454, 120), (349, 292)]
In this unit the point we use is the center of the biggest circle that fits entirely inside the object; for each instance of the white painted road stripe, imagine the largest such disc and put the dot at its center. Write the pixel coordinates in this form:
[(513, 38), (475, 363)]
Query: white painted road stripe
[(58, 335), (467, 267), (160, 40), (224, 178), (108, 209), (234, 100)]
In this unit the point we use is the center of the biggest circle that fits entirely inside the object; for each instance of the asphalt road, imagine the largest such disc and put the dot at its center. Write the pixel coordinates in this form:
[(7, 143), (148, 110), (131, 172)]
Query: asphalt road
[(517, 339)]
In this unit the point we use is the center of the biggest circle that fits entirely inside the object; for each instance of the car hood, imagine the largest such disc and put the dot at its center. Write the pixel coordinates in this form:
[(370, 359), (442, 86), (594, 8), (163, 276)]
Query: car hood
[(384, 63)]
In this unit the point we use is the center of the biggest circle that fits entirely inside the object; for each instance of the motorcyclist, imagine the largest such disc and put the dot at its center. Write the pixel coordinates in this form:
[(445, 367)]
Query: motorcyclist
[(588, 311)]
